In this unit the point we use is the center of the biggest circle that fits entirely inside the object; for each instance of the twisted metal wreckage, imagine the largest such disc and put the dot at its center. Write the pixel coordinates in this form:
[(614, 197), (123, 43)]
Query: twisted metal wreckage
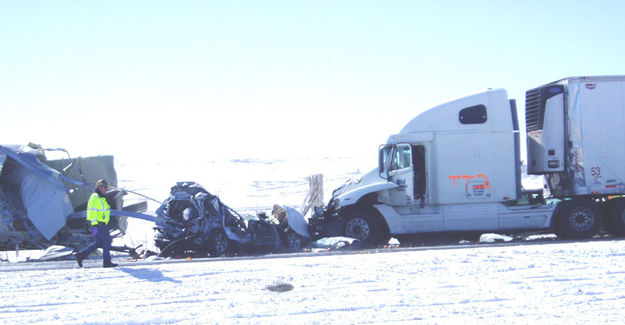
[(194, 220), (43, 203)]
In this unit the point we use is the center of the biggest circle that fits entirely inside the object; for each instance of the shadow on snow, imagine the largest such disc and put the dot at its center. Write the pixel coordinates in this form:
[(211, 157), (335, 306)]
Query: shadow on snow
[(151, 275)]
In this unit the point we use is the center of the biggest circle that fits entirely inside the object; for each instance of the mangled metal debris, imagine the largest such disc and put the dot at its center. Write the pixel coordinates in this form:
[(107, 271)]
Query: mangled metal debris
[(193, 221), (42, 201)]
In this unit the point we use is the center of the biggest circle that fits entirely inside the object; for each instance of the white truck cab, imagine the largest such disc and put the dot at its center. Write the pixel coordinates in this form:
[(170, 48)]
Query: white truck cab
[(457, 168)]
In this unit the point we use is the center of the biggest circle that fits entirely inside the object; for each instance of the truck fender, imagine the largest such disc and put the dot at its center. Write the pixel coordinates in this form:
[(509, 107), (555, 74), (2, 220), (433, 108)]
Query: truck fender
[(390, 217)]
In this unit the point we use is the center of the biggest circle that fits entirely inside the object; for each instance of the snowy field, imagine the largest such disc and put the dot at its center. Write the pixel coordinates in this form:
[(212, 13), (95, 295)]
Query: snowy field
[(555, 283)]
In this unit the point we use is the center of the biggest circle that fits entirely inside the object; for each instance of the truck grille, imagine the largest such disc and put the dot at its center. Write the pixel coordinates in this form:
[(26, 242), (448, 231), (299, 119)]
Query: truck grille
[(534, 109)]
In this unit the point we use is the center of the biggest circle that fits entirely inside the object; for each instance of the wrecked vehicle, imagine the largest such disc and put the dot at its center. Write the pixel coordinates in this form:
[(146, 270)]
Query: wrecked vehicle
[(193, 221), (42, 202)]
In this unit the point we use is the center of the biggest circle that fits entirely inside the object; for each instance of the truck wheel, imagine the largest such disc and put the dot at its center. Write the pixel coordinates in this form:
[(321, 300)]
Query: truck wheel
[(218, 243), (578, 218), (361, 224), (615, 217)]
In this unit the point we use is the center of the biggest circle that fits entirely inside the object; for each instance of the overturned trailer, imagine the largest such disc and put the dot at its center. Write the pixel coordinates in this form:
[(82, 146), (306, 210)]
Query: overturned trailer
[(43, 202), (193, 221)]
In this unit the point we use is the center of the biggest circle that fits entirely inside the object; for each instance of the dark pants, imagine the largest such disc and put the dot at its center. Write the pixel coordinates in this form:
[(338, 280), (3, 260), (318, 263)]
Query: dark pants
[(102, 240)]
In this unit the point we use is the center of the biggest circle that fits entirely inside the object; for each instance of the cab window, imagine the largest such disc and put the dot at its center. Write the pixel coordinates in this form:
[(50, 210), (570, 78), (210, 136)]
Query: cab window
[(473, 115), (402, 157)]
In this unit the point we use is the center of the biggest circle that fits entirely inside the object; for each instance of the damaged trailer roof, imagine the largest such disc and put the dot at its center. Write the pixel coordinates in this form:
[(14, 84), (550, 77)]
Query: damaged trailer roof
[(37, 200), (42, 193)]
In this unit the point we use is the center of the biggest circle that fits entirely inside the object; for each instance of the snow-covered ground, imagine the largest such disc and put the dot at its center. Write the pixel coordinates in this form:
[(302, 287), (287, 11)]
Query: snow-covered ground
[(555, 283)]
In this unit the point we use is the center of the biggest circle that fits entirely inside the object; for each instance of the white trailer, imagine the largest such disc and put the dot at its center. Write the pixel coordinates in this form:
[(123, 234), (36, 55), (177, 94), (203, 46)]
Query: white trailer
[(457, 168)]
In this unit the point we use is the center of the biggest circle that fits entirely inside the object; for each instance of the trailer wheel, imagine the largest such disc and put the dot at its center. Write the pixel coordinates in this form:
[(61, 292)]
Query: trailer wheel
[(218, 243), (361, 224), (615, 217), (578, 218)]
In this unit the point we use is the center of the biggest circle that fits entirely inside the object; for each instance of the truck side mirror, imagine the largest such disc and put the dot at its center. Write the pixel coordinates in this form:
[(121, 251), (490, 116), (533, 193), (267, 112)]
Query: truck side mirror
[(381, 167), (383, 153)]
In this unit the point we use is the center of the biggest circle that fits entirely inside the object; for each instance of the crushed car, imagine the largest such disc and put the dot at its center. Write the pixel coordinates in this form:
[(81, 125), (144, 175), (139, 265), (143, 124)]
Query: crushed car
[(192, 221)]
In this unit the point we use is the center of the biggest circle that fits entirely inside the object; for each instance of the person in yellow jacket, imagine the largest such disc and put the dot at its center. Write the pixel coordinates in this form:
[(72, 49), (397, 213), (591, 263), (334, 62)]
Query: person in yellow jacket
[(99, 214)]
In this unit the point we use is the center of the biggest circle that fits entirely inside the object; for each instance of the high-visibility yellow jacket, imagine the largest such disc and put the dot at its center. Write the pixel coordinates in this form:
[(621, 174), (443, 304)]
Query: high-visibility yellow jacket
[(98, 210)]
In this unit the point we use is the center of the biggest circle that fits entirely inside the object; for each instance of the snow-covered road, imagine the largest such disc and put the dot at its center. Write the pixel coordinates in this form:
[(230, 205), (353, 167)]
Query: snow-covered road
[(554, 283)]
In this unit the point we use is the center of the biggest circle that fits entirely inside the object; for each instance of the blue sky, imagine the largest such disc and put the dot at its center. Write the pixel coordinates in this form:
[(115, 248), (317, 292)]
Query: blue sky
[(215, 79)]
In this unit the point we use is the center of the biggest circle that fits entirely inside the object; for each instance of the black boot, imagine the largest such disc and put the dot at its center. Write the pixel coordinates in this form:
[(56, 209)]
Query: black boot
[(79, 259), (109, 264)]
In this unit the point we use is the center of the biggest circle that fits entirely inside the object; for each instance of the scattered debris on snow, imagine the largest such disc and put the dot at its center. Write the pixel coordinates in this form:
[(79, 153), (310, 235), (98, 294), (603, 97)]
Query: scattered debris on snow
[(280, 287), (494, 238), (541, 237), (336, 243)]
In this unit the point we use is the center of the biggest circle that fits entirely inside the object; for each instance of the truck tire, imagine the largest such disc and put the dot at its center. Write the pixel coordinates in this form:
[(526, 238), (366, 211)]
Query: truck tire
[(578, 218), (218, 243), (615, 217), (362, 224)]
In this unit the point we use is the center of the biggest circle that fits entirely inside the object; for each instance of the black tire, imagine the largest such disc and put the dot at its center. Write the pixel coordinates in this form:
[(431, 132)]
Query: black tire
[(362, 224), (218, 243), (615, 217), (293, 241), (578, 218), (169, 248)]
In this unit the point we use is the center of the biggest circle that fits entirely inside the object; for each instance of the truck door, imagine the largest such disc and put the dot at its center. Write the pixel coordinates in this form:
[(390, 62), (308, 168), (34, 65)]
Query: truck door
[(401, 172), (418, 162)]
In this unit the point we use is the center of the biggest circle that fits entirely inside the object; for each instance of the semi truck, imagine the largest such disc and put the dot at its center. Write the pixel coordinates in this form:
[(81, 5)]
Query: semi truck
[(457, 167)]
